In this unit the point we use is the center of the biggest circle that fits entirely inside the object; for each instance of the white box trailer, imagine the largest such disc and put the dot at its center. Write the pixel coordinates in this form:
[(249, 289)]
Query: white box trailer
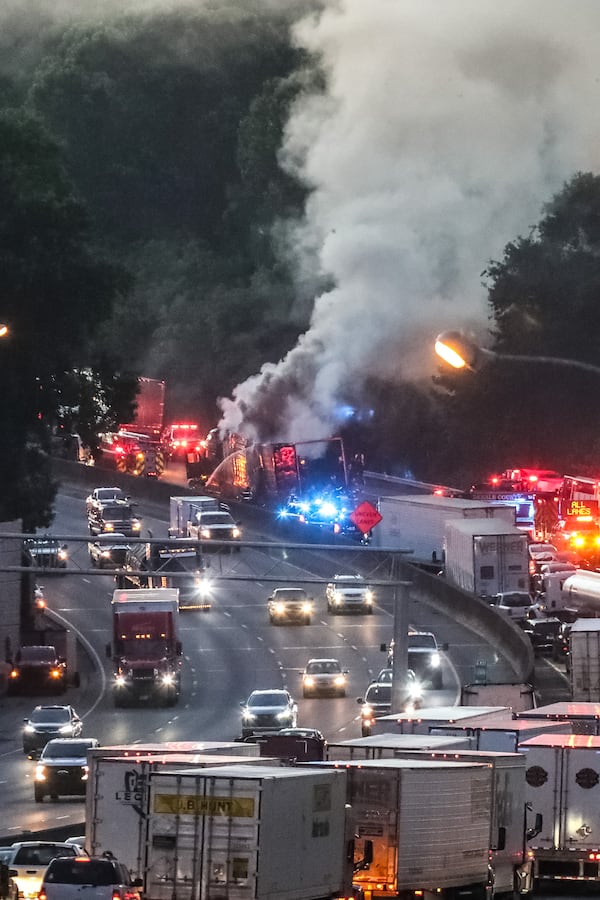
[(116, 810), (428, 821), (423, 720), (486, 557), (182, 511), (518, 696), (563, 787), (232, 748), (584, 718), (229, 833), (506, 835), (417, 522), (390, 746), (499, 736), (584, 660)]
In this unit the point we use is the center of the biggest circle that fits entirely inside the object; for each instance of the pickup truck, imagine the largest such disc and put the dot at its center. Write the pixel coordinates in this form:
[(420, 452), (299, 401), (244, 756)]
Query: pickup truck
[(27, 862)]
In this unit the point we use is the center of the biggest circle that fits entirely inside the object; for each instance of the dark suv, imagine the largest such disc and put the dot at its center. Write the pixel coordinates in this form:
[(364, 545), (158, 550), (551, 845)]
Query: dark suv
[(38, 668), (114, 517), (48, 722)]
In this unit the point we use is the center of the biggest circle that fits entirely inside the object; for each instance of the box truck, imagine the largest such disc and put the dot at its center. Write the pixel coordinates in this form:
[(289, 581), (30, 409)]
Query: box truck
[(183, 510), (486, 557), (228, 833), (584, 656), (418, 522), (562, 789)]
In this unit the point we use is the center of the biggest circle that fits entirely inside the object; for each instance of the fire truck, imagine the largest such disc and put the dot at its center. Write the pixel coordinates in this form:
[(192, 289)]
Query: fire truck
[(579, 517), (136, 453)]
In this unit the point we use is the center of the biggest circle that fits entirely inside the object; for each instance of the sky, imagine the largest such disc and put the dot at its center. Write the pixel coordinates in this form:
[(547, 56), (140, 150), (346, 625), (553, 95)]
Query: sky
[(445, 127)]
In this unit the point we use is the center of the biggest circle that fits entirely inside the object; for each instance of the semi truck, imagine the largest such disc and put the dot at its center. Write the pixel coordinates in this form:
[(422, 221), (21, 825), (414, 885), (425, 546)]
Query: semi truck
[(175, 563), (146, 651), (584, 660), (117, 796), (418, 522), (227, 832), (563, 789), (506, 837), (581, 590), (429, 824), (582, 717), (486, 557)]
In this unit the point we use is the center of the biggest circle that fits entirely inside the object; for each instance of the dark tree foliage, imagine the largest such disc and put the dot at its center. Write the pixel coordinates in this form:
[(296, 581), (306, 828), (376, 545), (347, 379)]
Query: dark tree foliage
[(171, 125), (53, 293)]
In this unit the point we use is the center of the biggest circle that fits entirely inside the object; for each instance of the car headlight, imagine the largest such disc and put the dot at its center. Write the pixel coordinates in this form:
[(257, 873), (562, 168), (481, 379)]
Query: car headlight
[(168, 679), (369, 596), (337, 596), (339, 680), (120, 680), (309, 681), (366, 711), (29, 729), (248, 715), (105, 554), (136, 525), (55, 673), (40, 773), (108, 526), (284, 714), (205, 533), (279, 608), (307, 607), (434, 660), (236, 533), (62, 555), (415, 690), (65, 729)]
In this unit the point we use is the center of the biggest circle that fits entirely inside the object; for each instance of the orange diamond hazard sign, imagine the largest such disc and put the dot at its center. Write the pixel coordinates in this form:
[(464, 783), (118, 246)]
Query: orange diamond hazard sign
[(365, 517)]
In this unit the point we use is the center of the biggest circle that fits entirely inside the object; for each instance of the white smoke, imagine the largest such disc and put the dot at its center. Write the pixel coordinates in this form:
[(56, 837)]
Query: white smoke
[(446, 125)]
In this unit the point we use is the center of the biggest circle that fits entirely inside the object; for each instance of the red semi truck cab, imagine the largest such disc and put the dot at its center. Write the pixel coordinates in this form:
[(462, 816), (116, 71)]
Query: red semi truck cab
[(146, 651)]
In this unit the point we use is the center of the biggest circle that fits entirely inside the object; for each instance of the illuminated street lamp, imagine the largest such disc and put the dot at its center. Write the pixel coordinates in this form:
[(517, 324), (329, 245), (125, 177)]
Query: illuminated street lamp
[(461, 352)]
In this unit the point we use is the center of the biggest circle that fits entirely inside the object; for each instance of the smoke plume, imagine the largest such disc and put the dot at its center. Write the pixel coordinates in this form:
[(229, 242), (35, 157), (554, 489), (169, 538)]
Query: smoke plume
[(444, 128)]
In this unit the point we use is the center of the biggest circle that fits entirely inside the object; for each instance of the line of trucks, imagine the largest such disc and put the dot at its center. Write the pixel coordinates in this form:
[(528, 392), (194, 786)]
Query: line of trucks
[(453, 802)]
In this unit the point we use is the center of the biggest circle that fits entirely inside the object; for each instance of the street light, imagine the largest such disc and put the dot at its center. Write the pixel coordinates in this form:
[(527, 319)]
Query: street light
[(461, 352)]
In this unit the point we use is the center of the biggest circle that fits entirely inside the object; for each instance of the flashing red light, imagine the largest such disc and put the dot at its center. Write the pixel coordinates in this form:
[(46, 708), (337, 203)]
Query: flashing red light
[(494, 479), (533, 478)]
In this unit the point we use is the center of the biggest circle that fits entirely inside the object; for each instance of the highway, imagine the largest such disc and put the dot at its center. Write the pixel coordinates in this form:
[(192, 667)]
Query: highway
[(229, 650)]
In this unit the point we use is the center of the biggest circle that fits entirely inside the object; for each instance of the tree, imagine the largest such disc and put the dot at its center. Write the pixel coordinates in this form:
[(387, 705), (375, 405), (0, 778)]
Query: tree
[(54, 292)]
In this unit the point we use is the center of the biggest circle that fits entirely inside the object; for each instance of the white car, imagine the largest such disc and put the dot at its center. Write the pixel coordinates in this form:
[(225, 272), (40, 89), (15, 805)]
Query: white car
[(349, 593), (324, 677)]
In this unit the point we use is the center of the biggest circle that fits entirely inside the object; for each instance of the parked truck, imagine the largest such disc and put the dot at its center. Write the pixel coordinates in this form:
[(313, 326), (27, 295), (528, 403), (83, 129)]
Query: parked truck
[(117, 796), (486, 557), (584, 655), (418, 522), (429, 824), (562, 788), (506, 822), (227, 832), (146, 651)]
